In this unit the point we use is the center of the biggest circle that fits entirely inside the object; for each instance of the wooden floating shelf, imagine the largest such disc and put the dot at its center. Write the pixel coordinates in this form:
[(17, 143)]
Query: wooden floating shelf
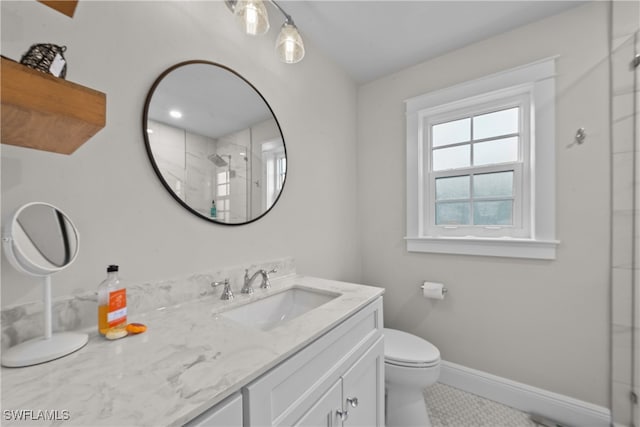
[(68, 7), (44, 112)]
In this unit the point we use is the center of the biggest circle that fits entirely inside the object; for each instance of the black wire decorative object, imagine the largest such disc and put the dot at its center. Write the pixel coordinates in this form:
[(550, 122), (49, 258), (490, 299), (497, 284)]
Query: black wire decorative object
[(42, 56)]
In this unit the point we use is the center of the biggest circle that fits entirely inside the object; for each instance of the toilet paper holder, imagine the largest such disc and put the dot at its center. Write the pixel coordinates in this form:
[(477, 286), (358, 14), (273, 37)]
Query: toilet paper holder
[(444, 290), (433, 290)]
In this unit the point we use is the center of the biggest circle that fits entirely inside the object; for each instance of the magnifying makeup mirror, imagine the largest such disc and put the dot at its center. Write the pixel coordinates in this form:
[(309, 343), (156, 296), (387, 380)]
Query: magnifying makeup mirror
[(40, 240)]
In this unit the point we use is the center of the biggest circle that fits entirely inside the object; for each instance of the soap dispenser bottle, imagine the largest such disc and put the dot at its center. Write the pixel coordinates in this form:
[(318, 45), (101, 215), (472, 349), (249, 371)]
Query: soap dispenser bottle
[(112, 303), (213, 209)]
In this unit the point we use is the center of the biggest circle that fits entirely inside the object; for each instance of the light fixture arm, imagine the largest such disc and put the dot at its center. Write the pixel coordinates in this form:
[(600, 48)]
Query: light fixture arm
[(288, 18)]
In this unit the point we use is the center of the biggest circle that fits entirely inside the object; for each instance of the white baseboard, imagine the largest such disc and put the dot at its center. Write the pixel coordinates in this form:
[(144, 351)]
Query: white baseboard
[(563, 409)]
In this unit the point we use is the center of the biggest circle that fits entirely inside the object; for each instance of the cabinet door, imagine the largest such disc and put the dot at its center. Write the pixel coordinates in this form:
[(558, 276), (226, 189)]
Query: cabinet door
[(227, 413), (363, 389), (324, 412), (283, 395)]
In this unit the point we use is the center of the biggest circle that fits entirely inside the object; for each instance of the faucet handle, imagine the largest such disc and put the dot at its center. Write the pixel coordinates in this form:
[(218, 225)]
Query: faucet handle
[(227, 294), (266, 284), (216, 284)]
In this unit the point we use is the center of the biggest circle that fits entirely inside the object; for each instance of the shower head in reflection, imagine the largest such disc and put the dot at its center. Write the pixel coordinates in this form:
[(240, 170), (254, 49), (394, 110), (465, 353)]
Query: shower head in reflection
[(218, 160)]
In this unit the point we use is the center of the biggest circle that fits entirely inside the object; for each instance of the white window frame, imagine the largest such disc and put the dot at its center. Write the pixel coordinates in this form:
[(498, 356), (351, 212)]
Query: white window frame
[(520, 97), (274, 171), (533, 234)]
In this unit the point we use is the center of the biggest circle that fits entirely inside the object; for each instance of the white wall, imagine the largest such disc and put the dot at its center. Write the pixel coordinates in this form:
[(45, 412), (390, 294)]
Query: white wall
[(108, 186), (537, 322), (541, 323)]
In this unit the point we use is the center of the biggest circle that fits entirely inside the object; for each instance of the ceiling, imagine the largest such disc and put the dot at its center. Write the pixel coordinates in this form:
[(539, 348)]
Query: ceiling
[(368, 38), (212, 101), (371, 39)]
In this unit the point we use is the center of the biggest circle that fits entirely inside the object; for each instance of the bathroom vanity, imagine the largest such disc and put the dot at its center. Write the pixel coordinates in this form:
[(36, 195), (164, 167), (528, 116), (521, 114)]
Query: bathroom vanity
[(210, 363)]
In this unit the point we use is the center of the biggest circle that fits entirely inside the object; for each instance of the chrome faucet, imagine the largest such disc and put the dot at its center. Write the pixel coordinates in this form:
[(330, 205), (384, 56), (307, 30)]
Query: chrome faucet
[(247, 288), (226, 295)]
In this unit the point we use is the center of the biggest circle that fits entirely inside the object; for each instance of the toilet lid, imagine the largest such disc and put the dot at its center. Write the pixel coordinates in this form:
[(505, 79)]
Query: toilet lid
[(403, 348)]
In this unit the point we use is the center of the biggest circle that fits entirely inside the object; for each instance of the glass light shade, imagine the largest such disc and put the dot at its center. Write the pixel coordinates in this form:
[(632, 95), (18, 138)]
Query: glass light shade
[(289, 45), (253, 16)]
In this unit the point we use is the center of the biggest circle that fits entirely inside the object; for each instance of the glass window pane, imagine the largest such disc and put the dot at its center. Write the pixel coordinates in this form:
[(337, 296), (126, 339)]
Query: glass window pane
[(454, 213), (498, 151), (490, 125), (493, 213), (451, 132), (451, 158), (456, 187), (498, 184)]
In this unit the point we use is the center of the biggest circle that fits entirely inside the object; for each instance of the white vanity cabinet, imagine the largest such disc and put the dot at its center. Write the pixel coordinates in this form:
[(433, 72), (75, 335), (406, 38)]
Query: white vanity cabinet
[(355, 399), (363, 389), (323, 412), (227, 413), (337, 380)]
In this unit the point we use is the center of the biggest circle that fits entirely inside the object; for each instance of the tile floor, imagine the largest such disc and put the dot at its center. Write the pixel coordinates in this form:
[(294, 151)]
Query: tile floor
[(451, 407)]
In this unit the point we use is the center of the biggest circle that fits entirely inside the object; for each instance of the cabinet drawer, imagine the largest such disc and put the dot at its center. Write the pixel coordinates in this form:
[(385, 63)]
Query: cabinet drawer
[(224, 414), (283, 394)]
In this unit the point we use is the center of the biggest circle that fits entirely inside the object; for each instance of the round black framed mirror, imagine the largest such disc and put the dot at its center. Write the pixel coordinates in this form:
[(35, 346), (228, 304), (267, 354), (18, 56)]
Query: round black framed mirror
[(214, 142)]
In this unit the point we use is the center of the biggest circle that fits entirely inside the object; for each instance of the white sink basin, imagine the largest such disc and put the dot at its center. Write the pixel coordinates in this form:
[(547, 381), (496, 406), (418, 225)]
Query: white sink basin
[(273, 311)]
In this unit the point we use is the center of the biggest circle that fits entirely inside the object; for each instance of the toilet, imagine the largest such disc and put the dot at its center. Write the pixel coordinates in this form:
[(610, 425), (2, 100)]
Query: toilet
[(411, 364)]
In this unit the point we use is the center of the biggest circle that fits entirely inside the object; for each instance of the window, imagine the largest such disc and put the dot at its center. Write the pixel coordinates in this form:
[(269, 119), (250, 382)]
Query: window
[(475, 163), (275, 170), (223, 193), (472, 185)]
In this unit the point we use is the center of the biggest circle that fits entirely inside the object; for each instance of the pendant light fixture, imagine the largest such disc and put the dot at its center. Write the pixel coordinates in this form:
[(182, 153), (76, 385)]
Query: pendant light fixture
[(289, 44), (253, 17)]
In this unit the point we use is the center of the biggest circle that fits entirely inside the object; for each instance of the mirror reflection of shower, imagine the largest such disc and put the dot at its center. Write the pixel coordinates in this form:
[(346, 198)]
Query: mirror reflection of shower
[(232, 178)]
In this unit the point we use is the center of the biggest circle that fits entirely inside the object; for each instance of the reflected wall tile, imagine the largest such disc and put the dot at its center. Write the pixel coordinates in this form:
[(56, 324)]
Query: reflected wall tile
[(622, 296), (621, 57), (623, 181), (622, 239), (636, 408), (621, 359), (621, 410), (625, 17), (623, 123)]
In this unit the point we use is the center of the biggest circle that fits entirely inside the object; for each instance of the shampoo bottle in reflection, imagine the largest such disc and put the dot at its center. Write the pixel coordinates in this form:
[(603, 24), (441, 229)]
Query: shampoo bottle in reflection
[(112, 303), (213, 209)]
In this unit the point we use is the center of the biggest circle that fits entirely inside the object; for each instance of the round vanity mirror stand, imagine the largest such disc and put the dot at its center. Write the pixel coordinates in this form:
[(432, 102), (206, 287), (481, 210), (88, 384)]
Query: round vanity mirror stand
[(24, 254)]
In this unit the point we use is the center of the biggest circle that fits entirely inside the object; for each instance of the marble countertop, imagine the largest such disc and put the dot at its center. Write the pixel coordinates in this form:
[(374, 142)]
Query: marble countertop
[(190, 358)]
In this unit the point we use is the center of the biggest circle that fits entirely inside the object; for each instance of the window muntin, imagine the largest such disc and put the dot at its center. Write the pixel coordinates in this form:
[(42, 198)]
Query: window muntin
[(485, 199), (482, 139), (473, 168), (451, 132)]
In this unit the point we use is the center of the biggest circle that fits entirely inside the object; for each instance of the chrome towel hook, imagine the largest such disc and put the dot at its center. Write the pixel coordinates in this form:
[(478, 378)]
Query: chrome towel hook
[(581, 135)]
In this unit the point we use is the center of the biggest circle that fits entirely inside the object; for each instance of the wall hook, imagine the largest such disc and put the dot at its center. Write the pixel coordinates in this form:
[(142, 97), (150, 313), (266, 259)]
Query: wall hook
[(581, 135)]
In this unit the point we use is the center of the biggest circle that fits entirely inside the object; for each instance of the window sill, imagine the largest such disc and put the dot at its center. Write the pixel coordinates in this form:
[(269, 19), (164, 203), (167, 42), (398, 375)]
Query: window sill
[(499, 247)]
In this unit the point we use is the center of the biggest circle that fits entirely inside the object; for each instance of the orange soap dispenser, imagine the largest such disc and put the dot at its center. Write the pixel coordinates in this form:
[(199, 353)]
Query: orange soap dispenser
[(112, 303)]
